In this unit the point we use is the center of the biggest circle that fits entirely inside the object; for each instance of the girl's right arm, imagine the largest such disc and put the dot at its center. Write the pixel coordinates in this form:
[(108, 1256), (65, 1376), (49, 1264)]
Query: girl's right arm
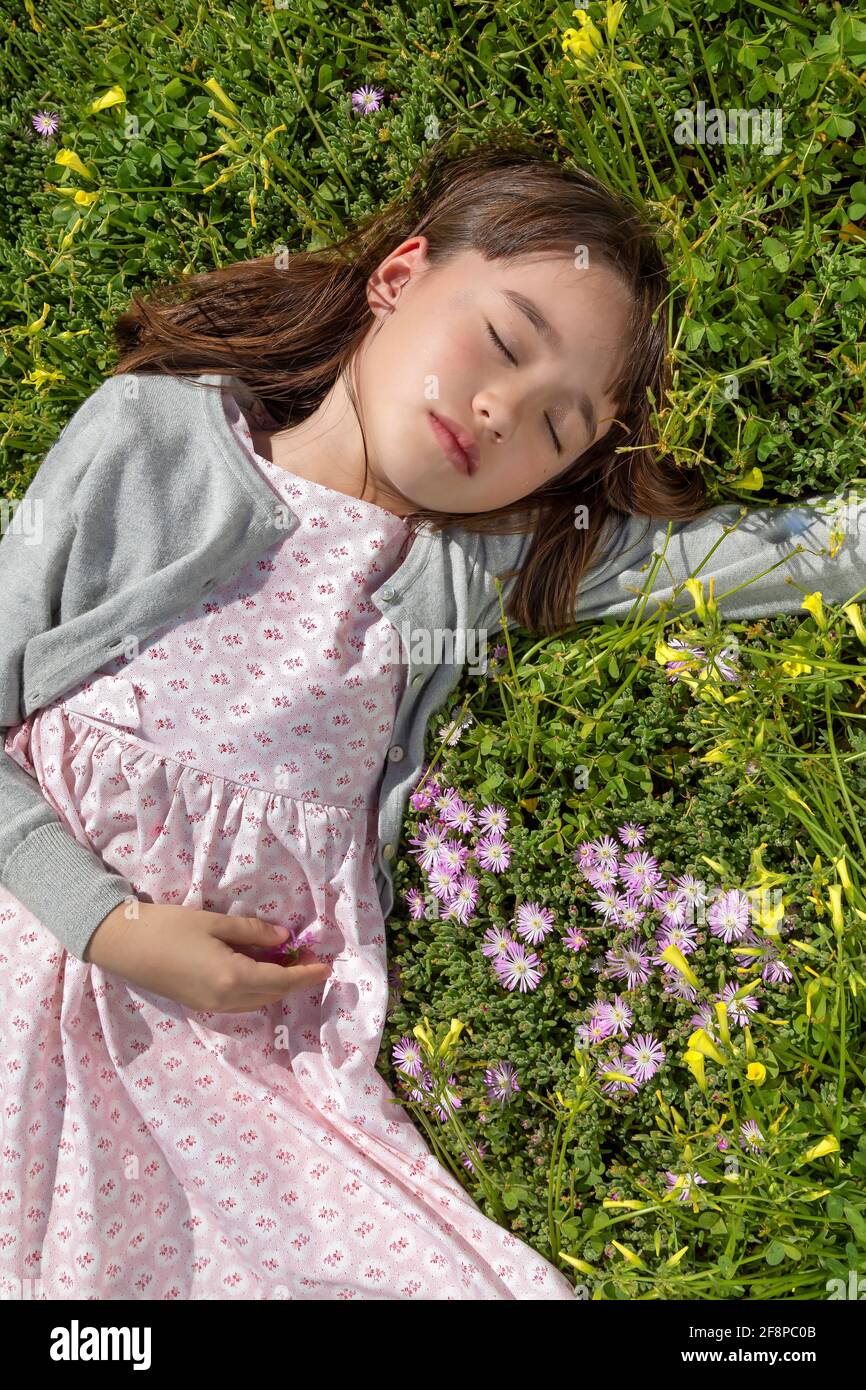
[(203, 960), (55, 877)]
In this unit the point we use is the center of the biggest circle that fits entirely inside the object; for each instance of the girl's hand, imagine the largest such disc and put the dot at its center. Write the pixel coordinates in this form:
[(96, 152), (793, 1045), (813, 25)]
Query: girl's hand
[(199, 959)]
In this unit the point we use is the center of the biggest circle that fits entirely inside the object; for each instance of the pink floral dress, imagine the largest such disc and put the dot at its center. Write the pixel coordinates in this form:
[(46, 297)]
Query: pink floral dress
[(233, 763)]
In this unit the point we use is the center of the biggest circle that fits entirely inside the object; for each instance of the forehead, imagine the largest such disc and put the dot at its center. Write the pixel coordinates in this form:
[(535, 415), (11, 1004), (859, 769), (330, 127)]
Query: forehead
[(563, 285)]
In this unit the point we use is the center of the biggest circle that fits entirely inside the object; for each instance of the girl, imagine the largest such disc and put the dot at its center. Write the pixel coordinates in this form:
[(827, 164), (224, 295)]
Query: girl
[(208, 746)]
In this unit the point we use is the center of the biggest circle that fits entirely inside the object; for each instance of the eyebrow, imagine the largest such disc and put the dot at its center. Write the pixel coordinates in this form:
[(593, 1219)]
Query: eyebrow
[(546, 330)]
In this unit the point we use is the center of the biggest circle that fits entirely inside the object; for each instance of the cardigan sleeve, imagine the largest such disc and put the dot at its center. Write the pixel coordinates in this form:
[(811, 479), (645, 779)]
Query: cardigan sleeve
[(763, 560), (66, 886)]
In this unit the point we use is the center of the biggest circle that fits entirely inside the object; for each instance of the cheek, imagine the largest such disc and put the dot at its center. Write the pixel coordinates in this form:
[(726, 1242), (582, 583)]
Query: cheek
[(440, 362)]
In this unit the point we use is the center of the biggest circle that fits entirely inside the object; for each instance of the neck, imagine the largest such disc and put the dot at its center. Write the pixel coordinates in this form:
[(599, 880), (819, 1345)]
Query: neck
[(328, 448)]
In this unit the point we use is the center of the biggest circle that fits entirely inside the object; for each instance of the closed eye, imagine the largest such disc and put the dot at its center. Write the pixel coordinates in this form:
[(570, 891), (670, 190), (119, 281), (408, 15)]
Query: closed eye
[(497, 341)]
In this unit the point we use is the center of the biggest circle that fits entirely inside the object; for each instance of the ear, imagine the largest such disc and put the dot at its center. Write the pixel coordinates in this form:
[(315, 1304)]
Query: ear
[(385, 285)]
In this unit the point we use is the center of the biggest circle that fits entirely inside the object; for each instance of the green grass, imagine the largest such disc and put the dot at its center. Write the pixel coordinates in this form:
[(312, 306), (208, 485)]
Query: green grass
[(769, 271)]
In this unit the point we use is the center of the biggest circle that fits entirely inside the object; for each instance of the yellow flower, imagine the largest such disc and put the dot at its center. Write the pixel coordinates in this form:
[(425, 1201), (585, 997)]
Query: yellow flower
[(112, 97), (795, 668), (695, 1063), (719, 755), (842, 870), (834, 893), (752, 481), (721, 1010), (674, 956), (451, 1036), (855, 618), (700, 1041), (582, 43), (696, 589), (830, 1145), (630, 1255), (213, 86), (612, 15), (69, 159), (38, 324), (39, 376), (815, 605), (422, 1032), (757, 1073)]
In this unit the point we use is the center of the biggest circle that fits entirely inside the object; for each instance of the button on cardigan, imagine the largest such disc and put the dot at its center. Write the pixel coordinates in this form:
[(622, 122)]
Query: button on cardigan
[(147, 499)]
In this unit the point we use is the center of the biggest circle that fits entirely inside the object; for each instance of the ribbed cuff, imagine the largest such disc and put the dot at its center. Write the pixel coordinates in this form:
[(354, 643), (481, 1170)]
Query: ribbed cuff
[(65, 885)]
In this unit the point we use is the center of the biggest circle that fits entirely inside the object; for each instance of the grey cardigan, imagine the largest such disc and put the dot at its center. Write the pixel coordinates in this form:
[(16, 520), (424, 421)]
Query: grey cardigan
[(147, 499)]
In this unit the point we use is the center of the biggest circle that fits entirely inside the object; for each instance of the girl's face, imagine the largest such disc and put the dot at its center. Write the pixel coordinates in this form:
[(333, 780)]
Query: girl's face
[(530, 407)]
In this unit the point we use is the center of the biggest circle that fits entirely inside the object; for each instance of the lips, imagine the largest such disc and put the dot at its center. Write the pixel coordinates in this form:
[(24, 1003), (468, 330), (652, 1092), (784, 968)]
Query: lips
[(456, 443)]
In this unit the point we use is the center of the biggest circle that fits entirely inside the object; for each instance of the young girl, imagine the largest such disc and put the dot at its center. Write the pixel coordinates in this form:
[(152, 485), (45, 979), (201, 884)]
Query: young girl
[(208, 747)]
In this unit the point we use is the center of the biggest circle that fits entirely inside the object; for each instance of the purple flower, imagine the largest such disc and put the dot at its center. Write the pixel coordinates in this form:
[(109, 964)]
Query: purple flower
[(612, 1086), (629, 962), (681, 937), (676, 668), (692, 890), (496, 941), (367, 99), (687, 1181), (601, 876), (419, 801), (501, 1082), (443, 882), (750, 1136), (595, 1030), (606, 904), (450, 1100), (584, 855), (671, 903), (729, 916), (728, 672), (429, 842), (467, 1161), (458, 815), (632, 834), (407, 1056), (415, 899), (493, 853), (45, 123), (645, 1056), (465, 896), (452, 855), (573, 939), (628, 914), (739, 1009), (517, 968), (443, 799), (618, 1015), (493, 818), (606, 851), (533, 922), (678, 988), (706, 1018)]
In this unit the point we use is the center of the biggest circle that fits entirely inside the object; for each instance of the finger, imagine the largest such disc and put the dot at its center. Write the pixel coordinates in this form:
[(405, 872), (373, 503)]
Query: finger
[(259, 977)]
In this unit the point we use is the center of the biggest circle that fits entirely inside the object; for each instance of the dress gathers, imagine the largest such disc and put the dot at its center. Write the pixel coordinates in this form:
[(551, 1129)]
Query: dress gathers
[(232, 763)]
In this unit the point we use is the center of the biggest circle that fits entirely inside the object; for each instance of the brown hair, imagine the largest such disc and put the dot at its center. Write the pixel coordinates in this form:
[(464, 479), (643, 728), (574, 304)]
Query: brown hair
[(289, 332)]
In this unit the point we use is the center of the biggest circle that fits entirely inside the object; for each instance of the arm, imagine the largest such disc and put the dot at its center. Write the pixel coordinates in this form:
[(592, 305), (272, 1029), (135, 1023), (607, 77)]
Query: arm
[(58, 879), (763, 559)]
